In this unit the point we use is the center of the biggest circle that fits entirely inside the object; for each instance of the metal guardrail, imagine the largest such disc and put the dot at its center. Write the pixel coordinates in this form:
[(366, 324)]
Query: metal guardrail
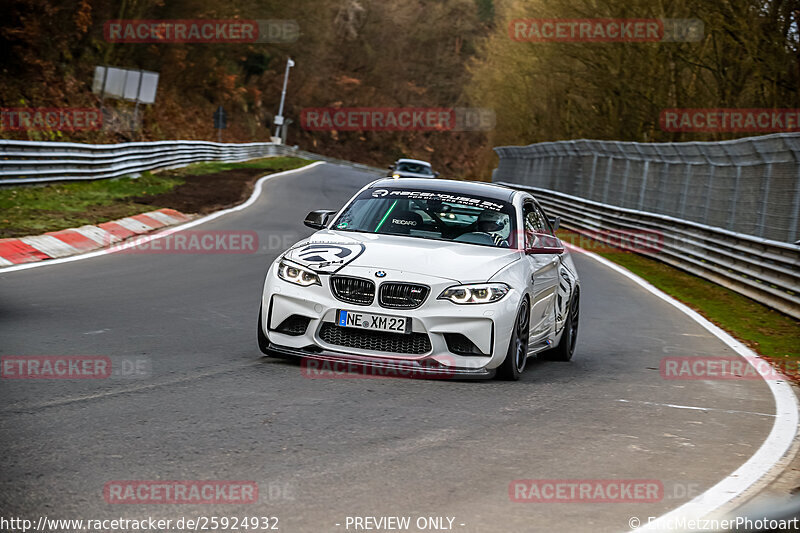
[(749, 185), (24, 162), (33, 162), (766, 271)]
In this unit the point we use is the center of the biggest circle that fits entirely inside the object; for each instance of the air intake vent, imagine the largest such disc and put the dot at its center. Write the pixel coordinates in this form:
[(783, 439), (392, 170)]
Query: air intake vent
[(402, 295), (295, 325), (353, 290), (376, 341), (461, 345)]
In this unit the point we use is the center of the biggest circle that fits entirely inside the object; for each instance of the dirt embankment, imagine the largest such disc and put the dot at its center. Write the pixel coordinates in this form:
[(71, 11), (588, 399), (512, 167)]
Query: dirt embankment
[(208, 192)]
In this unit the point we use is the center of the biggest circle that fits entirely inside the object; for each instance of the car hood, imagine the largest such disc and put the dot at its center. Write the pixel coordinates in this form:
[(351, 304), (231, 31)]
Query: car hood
[(332, 251)]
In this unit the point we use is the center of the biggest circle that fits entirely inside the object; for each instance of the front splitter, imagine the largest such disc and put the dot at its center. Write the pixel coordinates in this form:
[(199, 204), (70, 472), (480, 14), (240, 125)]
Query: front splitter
[(427, 368)]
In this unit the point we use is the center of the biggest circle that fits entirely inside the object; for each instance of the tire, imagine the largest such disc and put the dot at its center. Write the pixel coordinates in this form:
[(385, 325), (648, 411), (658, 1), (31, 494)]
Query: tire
[(566, 347), (516, 357), (263, 343)]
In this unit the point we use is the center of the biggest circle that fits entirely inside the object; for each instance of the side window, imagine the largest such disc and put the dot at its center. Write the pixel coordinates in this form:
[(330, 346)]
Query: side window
[(546, 223), (534, 224), (534, 219), (538, 232)]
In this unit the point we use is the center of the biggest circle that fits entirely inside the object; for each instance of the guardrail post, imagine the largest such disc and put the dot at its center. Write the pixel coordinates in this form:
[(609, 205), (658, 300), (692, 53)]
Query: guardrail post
[(795, 209), (762, 219), (549, 177), (685, 191), (662, 184), (624, 186), (644, 184), (557, 176), (608, 179), (590, 192), (735, 199), (710, 186), (530, 169), (537, 170)]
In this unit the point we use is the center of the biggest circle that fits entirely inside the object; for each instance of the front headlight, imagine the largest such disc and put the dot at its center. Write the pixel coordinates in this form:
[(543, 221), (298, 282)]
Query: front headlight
[(482, 293), (296, 274), (395, 176)]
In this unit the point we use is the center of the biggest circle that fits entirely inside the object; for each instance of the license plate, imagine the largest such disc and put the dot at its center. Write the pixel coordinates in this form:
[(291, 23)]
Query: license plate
[(356, 319)]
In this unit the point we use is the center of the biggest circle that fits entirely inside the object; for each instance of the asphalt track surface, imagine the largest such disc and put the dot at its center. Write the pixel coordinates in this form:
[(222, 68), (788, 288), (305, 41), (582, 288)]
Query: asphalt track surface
[(209, 407)]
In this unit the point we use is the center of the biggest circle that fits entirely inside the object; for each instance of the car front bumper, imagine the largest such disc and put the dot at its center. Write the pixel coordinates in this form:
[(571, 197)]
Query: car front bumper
[(487, 326)]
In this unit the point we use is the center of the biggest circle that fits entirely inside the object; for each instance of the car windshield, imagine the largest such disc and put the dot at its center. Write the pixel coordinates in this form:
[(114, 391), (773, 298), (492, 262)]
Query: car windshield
[(416, 168), (431, 215)]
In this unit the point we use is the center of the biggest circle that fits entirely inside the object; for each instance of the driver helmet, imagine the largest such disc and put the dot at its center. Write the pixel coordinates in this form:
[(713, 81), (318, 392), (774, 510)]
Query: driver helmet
[(494, 223)]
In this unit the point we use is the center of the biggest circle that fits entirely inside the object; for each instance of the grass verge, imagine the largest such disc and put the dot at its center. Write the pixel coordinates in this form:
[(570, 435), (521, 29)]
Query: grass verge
[(33, 210), (768, 332), (276, 164)]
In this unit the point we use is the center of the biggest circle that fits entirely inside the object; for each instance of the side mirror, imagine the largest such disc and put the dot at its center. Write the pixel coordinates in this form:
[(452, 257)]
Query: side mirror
[(437, 174), (544, 244), (318, 219), (390, 167), (541, 250), (555, 222)]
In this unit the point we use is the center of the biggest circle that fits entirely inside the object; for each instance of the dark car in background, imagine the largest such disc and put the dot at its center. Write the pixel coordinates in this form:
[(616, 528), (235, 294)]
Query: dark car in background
[(411, 168)]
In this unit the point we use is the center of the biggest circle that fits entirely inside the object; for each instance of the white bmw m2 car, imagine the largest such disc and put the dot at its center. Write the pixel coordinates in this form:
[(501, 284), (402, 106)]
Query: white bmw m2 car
[(462, 279)]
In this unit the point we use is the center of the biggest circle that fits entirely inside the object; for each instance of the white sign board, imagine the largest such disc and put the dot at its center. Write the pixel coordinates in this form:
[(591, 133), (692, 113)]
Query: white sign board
[(99, 78), (147, 94), (131, 90), (115, 82), (134, 85)]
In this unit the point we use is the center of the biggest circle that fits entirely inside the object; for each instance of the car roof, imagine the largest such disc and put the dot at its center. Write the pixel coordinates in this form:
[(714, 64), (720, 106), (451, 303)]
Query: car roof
[(477, 188), (418, 161)]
